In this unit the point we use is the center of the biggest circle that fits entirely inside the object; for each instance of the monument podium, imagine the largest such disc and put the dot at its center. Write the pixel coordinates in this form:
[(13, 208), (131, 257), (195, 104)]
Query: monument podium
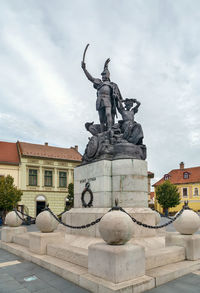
[(124, 180)]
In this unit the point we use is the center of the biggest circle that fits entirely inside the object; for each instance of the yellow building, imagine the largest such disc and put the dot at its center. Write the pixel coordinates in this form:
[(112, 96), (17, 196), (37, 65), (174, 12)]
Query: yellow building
[(9, 161), (44, 175), (188, 182)]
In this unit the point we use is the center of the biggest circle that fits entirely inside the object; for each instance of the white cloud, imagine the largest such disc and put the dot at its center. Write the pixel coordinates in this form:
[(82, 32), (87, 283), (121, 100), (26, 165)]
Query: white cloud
[(154, 51)]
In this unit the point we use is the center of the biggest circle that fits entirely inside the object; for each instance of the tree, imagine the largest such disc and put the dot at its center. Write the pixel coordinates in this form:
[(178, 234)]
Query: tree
[(167, 196), (9, 194), (70, 195)]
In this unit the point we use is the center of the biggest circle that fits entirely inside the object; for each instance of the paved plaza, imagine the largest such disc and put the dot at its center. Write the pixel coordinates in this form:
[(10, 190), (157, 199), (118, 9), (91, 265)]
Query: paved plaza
[(21, 276)]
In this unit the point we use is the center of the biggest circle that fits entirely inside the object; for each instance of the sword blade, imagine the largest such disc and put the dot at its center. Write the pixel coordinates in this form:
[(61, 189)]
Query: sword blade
[(85, 52)]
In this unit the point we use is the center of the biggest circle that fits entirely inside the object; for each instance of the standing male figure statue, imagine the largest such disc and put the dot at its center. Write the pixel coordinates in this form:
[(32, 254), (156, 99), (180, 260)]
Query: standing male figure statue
[(112, 140), (108, 95)]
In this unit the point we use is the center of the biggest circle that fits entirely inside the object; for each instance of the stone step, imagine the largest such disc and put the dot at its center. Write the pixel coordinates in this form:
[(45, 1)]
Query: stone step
[(154, 258), (79, 275), (164, 256), (69, 253), (149, 243), (172, 271), (22, 239)]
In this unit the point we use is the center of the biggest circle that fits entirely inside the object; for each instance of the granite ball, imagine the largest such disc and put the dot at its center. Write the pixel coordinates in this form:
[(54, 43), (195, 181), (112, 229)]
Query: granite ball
[(45, 222), (188, 223), (116, 228), (12, 219)]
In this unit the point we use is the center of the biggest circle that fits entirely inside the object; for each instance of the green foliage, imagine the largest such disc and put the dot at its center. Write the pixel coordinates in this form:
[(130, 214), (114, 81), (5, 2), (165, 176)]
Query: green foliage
[(70, 195), (9, 194), (167, 195)]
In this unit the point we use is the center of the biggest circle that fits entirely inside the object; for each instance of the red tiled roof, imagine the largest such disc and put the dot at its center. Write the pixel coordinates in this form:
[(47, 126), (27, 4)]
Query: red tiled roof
[(176, 176), (45, 151), (9, 153), (150, 174)]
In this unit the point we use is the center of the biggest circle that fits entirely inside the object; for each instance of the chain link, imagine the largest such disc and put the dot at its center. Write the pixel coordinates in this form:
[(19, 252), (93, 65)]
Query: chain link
[(23, 214), (154, 227), (162, 215), (74, 227), (15, 210), (122, 210), (99, 219)]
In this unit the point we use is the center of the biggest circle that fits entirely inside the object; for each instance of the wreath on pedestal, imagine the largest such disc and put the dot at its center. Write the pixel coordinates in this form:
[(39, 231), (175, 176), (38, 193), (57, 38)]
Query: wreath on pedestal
[(87, 189)]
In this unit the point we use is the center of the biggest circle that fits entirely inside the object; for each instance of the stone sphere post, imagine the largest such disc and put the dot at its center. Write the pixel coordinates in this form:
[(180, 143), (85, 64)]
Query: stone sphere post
[(13, 222), (116, 260)]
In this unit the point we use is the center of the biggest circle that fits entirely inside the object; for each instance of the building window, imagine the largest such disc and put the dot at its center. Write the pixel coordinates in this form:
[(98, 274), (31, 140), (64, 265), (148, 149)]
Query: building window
[(62, 179), (48, 178), (185, 192), (196, 191), (185, 175), (32, 177), (166, 177)]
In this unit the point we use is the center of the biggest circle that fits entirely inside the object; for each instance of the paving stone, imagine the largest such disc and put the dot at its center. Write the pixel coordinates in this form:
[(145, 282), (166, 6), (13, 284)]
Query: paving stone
[(162, 289), (19, 268), (22, 291), (47, 281), (183, 287), (188, 279), (5, 277), (180, 285), (60, 283), (36, 285), (45, 275), (10, 286), (50, 290), (20, 276)]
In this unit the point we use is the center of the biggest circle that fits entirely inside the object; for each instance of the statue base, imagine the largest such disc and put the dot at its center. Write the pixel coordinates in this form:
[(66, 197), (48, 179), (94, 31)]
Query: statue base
[(124, 180), (110, 145)]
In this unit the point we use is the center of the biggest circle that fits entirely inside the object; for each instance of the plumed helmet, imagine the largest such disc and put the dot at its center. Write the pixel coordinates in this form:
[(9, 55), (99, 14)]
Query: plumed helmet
[(105, 70)]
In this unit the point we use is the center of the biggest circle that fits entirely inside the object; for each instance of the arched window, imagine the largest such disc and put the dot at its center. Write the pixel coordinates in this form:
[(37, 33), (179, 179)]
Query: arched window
[(185, 175)]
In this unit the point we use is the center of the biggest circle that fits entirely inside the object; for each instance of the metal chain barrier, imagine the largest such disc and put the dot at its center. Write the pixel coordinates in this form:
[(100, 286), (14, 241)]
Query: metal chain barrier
[(15, 210), (154, 227), (162, 215), (23, 214), (73, 227), (99, 219), (33, 218), (122, 210), (62, 213)]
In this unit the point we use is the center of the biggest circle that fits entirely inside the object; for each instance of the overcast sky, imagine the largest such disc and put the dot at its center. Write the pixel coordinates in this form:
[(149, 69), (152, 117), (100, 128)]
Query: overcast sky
[(155, 57)]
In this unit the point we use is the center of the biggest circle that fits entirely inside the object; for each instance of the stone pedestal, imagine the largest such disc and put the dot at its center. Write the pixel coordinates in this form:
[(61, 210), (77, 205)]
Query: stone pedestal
[(124, 179), (191, 243), (38, 241), (130, 183), (8, 233), (82, 216), (116, 263)]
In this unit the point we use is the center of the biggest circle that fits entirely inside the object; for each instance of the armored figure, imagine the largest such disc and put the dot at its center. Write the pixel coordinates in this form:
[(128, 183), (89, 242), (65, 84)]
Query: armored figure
[(111, 140), (108, 96)]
